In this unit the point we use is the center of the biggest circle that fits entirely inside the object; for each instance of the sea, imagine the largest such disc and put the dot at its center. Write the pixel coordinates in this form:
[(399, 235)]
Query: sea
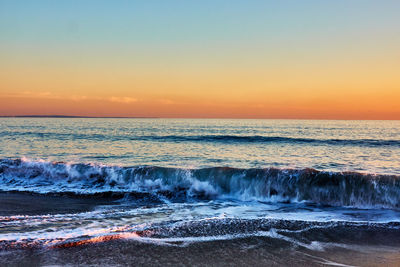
[(302, 185)]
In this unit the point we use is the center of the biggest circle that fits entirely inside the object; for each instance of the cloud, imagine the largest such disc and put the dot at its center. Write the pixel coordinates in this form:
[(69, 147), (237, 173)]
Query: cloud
[(38, 94), (44, 95), (78, 97), (49, 95), (30, 94), (166, 101), (124, 99)]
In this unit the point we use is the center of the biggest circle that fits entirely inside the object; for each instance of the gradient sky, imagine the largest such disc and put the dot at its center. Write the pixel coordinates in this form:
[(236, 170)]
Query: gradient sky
[(210, 58)]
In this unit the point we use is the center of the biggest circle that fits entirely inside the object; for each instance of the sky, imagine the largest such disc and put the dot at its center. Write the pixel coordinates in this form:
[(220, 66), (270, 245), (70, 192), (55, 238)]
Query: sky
[(201, 59)]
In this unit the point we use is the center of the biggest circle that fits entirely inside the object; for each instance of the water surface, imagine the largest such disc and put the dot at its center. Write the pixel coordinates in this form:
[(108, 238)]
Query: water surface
[(178, 182)]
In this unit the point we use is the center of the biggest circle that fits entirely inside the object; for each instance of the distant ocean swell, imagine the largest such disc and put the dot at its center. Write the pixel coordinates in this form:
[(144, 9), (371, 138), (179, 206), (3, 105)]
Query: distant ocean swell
[(269, 184), (211, 138)]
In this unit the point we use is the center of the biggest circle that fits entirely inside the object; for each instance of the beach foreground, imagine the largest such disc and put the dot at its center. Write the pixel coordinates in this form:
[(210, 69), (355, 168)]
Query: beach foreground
[(340, 245), (249, 252)]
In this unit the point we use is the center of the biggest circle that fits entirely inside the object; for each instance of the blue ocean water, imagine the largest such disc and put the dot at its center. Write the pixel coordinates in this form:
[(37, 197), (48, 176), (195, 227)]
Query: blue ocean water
[(362, 146), (166, 176)]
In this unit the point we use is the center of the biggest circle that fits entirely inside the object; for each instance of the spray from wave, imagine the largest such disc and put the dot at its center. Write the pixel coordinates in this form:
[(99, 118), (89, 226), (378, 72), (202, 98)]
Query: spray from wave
[(268, 184)]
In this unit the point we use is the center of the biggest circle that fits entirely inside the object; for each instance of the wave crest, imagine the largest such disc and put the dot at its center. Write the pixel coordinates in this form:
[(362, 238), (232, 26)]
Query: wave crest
[(268, 184)]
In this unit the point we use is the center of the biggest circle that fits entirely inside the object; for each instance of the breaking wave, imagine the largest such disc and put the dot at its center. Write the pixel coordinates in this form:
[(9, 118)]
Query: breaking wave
[(268, 184)]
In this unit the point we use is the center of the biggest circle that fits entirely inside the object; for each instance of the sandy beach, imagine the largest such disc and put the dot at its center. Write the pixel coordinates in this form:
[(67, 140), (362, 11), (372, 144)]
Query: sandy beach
[(243, 252), (358, 247)]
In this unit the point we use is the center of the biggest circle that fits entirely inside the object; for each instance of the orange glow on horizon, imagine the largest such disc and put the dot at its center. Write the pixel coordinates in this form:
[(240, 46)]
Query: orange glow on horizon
[(318, 108), (307, 93)]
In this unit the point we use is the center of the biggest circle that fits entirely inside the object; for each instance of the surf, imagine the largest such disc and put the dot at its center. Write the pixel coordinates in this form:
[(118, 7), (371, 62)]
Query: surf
[(342, 189)]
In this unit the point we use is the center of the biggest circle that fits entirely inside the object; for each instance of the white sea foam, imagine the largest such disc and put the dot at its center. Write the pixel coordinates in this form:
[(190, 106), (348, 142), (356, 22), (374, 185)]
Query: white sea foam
[(269, 185)]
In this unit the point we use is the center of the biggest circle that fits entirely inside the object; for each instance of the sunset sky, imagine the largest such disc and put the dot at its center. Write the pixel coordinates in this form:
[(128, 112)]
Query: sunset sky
[(210, 58)]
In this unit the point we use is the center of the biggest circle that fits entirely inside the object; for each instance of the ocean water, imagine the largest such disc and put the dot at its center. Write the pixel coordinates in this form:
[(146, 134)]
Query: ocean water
[(182, 181)]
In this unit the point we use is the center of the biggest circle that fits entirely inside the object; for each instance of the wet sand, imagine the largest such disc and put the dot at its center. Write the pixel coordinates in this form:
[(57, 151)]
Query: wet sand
[(379, 247), (35, 204), (241, 252)]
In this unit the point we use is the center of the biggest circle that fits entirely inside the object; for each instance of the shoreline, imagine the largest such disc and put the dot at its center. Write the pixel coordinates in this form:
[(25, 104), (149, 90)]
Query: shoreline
[(343, 246), (238, 252)]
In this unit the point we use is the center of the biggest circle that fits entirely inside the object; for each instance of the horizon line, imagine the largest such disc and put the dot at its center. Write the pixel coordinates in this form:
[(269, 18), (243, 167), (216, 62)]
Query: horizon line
[(141, 117)]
